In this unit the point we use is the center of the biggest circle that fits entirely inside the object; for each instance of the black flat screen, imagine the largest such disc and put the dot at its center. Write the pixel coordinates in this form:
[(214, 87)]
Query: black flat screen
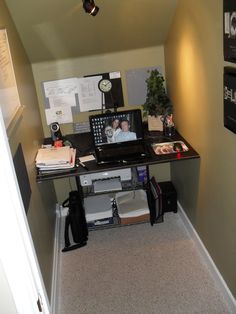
[(116, 127)]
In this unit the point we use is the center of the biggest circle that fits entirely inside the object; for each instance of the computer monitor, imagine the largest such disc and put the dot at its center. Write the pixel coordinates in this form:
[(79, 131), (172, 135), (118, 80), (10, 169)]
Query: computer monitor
[(116, 127)]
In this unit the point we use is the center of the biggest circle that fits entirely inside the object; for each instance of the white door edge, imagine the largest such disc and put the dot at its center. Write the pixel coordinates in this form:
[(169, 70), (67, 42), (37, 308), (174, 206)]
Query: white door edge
[(17, 252)]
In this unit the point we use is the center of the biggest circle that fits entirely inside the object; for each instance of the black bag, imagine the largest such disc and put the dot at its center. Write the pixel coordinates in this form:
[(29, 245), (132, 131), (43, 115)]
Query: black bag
[(76, 220)]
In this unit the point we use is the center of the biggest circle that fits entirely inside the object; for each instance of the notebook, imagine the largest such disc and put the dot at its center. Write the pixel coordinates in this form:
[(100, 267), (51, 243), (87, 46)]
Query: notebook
[(118, 136)]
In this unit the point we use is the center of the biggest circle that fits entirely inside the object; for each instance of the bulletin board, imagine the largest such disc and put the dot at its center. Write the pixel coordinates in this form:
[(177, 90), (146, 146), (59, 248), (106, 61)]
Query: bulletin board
[(115, 98), (136, 84), (9, 97), (69, 96)]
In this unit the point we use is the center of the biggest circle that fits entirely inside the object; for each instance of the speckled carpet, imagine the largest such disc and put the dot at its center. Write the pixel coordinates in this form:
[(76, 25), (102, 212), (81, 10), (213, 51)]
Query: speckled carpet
[(138, 269)]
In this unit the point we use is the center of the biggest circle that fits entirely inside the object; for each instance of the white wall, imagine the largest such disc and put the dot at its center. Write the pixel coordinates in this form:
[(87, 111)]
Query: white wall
[(7, 304)]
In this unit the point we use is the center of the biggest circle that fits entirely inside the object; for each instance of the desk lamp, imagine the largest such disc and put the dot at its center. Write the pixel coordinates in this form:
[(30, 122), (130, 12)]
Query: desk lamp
[(90, 7)]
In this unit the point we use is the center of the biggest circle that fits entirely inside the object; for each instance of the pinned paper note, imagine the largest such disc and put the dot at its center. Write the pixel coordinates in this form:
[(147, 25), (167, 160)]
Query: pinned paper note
[(61, 115), (90, 98), (87, 158)]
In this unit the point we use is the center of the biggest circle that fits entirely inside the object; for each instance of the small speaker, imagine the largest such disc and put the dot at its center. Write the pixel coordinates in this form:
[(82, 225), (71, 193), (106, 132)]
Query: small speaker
[(169, 196), (55, 131)]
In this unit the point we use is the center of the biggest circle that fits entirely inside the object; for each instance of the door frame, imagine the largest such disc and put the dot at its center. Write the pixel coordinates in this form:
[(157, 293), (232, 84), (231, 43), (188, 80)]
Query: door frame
[(17, 252)]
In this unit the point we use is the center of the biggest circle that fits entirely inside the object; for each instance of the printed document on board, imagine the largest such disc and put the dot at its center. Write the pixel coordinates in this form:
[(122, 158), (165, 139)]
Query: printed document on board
[(90, 98)]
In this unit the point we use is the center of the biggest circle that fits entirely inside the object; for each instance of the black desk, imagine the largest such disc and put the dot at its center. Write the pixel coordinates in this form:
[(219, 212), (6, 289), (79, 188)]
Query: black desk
[(83, 144)]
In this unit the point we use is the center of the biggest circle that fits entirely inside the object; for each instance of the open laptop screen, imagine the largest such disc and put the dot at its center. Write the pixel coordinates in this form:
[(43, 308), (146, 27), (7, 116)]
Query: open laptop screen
[(116, 127)]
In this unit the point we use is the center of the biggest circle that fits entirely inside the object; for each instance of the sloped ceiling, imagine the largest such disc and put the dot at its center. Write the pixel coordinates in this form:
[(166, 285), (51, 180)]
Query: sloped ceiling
[(60, 29)]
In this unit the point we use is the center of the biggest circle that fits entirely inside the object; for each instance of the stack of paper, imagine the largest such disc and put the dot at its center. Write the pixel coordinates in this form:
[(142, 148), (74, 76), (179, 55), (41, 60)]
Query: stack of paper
[(132, 204), (55, 158)]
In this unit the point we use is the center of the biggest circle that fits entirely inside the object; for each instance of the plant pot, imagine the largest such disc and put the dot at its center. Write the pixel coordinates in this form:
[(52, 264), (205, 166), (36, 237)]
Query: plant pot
[(155, 123)]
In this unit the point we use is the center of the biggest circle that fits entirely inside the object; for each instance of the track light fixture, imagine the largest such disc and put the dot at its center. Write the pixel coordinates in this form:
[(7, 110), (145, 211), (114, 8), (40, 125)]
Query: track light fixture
[(90, 7)]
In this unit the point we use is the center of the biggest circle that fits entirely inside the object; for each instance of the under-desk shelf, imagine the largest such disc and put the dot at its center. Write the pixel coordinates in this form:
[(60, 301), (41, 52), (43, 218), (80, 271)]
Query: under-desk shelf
[(116, 224), (125, 186), (83, 145)]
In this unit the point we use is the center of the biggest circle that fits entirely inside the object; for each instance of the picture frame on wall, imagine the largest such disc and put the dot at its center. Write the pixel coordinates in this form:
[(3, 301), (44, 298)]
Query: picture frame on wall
[(229, 30), (9, 97), (230, 98)]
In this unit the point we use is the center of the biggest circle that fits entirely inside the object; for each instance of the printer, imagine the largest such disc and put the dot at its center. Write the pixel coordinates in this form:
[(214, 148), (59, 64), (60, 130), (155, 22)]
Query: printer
[(122, 174)]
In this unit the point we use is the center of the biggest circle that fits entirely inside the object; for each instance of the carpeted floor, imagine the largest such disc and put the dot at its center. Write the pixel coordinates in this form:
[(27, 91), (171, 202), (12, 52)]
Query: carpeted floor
[(138, 269)]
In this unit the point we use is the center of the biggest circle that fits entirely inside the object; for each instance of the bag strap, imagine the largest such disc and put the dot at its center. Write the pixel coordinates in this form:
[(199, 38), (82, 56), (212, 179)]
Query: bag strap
[(74, 247), (65, 203), (66, 232)]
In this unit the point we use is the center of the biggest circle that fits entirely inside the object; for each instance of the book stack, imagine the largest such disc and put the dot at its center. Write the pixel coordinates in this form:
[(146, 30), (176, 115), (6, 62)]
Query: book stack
[(132, 207), (55, 158)]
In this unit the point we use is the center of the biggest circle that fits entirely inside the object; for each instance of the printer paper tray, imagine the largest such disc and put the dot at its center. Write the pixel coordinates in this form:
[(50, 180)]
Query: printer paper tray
[(107, 185)]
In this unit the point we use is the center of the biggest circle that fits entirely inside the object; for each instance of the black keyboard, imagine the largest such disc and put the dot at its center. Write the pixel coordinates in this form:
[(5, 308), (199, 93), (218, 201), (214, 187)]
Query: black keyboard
[(121, 153)]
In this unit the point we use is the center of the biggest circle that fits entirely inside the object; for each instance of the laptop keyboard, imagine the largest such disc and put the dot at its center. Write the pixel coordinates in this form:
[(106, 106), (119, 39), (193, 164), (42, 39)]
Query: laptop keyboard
[(122, 152)]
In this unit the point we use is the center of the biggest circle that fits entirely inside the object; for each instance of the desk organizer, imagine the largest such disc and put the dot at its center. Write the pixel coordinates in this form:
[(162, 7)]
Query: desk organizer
[(169, 147), (132, 207)]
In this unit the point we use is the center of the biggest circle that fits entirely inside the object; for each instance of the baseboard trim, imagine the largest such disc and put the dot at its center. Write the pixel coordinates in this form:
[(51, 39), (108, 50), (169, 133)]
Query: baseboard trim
[(56, 263), (207, 258)]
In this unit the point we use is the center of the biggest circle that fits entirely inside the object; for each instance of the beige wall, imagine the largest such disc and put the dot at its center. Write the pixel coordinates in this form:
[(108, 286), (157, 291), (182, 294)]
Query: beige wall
[(28, 131), (120, 61), (78, 67), (194, 71)]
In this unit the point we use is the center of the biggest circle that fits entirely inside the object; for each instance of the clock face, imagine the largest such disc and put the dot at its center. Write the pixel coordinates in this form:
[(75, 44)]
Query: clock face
[(105, 85)]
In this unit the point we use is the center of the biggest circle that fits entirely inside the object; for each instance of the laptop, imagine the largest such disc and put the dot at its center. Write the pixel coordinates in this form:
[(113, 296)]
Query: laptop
[(118, 136)]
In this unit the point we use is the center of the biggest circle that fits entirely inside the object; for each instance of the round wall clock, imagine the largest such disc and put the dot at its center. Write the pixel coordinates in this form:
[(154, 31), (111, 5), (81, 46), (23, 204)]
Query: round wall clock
[(105, 85)]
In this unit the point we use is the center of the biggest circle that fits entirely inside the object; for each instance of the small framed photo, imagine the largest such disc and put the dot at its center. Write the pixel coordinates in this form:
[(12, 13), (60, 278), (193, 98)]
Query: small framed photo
[(230, 98), (229, 30)]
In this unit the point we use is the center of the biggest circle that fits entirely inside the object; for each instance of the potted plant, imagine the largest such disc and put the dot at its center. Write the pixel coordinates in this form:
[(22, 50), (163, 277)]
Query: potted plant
[(157, 104)]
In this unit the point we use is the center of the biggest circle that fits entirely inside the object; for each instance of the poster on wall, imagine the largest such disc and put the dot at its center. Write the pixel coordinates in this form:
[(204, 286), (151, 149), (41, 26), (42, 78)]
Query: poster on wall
[(230, 30), (9, 97), (230, 98)]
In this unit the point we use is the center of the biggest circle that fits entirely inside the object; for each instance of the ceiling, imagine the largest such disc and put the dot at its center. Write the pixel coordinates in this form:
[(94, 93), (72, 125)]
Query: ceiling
[(60, 29)]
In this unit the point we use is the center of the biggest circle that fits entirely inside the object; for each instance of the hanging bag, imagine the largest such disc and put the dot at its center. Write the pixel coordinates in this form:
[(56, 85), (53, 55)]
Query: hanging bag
[(76, 222)]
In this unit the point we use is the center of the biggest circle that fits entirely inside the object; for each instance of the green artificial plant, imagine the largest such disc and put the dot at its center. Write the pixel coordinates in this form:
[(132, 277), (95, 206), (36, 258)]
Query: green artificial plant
[(157, 102)]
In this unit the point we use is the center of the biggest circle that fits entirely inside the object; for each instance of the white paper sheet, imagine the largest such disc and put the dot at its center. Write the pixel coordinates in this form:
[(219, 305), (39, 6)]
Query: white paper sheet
[(61, 88), (87, 158), (90, 98), (114, 75), (68, 101), (61, 97), (60, 115)]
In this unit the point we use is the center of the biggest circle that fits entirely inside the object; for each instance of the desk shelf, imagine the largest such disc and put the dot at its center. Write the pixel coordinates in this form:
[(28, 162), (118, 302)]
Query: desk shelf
[(126, 186), (115, 225), (83, 142), (83, 145), (95, 203)]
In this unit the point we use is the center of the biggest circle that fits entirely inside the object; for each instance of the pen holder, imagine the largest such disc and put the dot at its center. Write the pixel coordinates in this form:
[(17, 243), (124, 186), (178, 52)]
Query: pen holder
[(168, 131)]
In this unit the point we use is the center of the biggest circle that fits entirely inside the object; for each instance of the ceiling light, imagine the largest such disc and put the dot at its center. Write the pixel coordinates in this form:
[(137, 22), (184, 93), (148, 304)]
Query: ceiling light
[(90, 7)]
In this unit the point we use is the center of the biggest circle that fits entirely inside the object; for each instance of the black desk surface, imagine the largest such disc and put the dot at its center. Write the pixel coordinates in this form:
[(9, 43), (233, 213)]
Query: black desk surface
[(84, 146)]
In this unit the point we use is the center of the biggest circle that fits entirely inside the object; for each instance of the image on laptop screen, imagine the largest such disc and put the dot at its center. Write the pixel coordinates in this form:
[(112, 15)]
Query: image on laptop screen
[(116, 127)]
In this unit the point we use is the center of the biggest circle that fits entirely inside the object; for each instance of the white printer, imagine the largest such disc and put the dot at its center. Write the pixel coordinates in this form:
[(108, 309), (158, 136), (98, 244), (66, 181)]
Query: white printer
[(122, 174)]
